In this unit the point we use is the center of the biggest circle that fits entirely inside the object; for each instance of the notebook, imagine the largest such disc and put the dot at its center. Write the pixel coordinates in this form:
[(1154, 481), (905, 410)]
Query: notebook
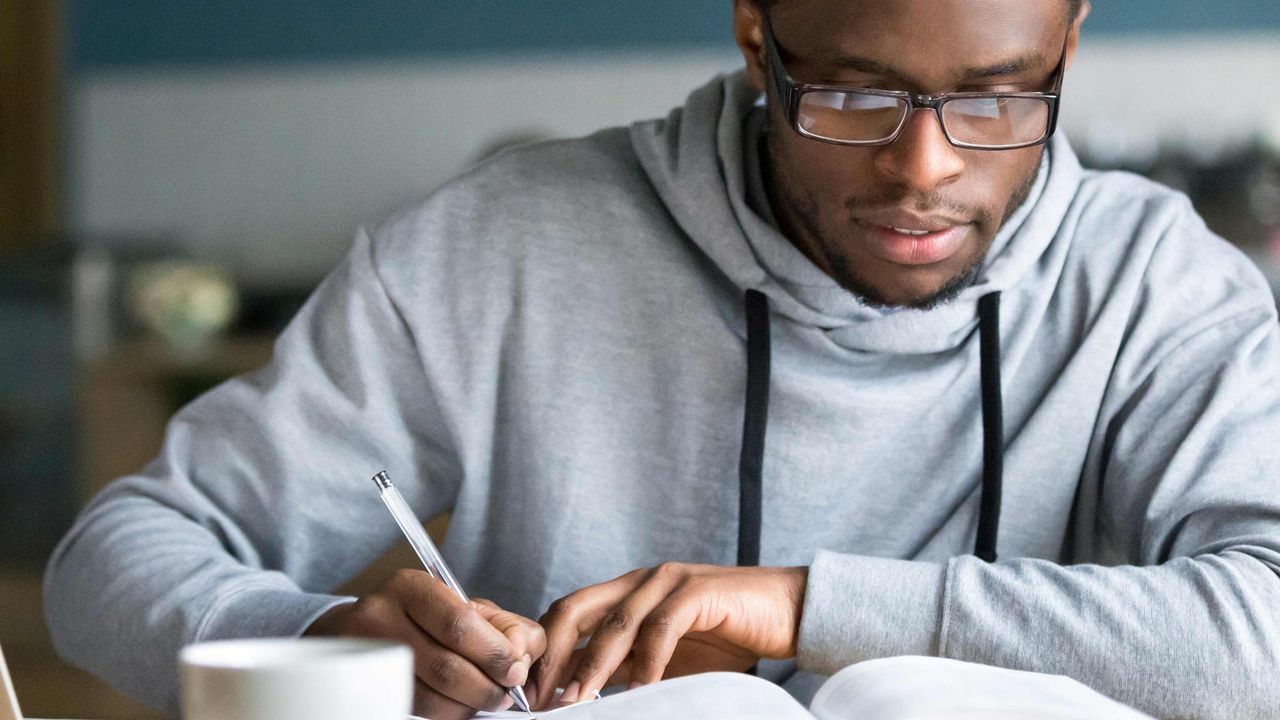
[(901, 688)]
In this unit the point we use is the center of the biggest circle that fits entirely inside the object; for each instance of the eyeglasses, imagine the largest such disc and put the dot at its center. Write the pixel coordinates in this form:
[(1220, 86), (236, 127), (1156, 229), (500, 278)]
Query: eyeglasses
[(867, 116)]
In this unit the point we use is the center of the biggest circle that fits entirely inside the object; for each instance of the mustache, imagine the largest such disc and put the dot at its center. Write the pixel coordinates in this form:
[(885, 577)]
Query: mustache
[(934, 204)]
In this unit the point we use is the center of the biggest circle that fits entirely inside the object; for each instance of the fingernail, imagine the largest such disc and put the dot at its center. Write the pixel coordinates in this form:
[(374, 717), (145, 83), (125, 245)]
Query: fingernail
[(570, 694), (634, 685)]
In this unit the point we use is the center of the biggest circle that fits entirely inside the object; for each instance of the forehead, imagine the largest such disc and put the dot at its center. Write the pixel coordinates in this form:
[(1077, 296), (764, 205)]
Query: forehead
[(931, 40)]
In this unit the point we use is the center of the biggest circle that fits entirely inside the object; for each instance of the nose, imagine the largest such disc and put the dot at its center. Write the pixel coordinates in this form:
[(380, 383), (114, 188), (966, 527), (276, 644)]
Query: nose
[(921, 158)]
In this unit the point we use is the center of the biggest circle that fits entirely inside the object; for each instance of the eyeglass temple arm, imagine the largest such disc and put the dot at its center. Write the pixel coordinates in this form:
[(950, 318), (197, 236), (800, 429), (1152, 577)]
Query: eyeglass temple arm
[(777, 72)]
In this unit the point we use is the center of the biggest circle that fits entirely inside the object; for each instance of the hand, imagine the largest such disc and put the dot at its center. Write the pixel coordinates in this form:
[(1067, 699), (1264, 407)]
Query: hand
[(673, 619), (465, 655)]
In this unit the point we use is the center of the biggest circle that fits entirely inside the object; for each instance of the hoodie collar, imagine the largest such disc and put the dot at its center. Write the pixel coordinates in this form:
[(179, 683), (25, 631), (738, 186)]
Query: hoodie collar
[(702, 160)]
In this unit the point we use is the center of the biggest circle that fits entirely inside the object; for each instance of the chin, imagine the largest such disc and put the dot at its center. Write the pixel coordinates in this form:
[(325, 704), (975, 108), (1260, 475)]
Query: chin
[(914, 290)]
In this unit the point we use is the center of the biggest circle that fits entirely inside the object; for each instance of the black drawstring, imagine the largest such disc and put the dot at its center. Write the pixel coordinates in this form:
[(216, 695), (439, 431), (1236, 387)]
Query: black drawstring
[(755, 419), (992, 426)]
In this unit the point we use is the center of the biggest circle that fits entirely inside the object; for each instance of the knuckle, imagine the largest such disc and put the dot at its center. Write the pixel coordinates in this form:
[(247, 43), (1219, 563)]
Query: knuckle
[(567, 605), (444, 670), (498, 660), (589, 666), (668, 571), (376, 605), (660, 622), (402, 578), (453, 627), (563, 610), (616, 620)]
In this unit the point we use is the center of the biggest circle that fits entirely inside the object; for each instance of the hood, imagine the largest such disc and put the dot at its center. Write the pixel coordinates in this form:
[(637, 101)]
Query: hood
[(697, 160)]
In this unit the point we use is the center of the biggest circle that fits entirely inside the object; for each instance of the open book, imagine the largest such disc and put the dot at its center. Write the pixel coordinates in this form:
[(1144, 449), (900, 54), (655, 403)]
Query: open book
[(901, 688)]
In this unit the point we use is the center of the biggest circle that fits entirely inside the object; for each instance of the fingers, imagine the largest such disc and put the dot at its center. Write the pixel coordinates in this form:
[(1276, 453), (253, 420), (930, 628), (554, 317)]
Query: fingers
[(430, 703), (658, 636), (525, 635), (619, 676), (459, 627), (455, 677), (565, 622), (445, 672), (615, 636)]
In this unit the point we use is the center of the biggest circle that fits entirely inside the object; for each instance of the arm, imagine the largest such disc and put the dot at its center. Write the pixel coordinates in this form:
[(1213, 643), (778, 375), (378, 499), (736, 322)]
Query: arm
[(1190, 497), (260, 502), (1190, 626)]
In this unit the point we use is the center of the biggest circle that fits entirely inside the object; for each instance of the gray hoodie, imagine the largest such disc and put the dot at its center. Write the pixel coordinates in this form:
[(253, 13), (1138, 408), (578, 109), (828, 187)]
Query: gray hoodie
[(553, 346)]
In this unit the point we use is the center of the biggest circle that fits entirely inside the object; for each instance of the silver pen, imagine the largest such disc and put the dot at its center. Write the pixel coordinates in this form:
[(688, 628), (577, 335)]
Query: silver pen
[(431, 558)]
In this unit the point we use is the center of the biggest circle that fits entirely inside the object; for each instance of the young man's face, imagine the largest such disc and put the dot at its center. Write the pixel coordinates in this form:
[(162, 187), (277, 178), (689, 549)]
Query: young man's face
[(839, 204)]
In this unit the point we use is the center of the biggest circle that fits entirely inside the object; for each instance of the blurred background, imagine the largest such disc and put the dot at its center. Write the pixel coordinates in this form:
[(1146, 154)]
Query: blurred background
[(176, 175)]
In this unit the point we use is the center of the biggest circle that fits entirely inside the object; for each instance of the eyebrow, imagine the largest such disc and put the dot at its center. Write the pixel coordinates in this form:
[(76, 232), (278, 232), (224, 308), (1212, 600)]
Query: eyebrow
[(1012, 66)]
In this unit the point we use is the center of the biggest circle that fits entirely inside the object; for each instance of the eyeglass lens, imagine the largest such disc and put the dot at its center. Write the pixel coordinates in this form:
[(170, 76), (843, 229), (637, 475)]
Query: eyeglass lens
[(865, 117)]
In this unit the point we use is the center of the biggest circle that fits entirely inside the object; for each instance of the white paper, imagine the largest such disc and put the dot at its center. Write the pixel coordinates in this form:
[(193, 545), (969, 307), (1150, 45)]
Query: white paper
[(723, 696), (901, 688), (914, 688)]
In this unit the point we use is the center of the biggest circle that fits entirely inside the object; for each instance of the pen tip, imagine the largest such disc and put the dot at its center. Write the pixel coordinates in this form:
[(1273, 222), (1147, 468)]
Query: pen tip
[(381, 480), (517, 694)]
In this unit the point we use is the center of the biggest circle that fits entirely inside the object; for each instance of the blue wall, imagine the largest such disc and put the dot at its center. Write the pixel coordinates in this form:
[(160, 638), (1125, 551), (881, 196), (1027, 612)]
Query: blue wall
[(127, 33)]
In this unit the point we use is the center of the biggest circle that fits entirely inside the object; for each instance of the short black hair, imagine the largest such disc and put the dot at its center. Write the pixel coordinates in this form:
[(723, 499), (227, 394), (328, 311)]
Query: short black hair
[(1073, 6)]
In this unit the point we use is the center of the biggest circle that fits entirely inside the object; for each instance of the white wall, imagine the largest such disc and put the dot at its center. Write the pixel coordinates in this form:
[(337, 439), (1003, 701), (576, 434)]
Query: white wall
[(271, 169)]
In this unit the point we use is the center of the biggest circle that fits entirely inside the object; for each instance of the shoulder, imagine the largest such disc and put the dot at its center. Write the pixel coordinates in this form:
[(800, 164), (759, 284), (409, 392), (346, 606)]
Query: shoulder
[(536, 201), (1177, 276), (532, 182), (556, 224)]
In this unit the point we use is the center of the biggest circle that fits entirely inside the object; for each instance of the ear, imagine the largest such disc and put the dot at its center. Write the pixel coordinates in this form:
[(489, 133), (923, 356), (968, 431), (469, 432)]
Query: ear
[(748, 32), (1073, 37)]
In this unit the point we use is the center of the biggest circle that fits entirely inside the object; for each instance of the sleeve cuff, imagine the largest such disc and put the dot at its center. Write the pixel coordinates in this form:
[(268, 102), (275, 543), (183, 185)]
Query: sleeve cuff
[(265, 612), (858, 608)]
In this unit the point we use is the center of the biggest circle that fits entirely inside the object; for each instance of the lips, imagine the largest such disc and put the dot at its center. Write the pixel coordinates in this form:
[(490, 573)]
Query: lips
[(908, 239)]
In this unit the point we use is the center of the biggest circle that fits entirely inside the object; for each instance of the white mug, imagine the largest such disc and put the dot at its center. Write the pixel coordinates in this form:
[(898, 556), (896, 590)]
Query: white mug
[(296, 679)]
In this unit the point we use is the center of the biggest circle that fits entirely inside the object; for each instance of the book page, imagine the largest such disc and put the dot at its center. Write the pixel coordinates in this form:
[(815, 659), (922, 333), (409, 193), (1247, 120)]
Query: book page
[(914, 688), (724, 696)]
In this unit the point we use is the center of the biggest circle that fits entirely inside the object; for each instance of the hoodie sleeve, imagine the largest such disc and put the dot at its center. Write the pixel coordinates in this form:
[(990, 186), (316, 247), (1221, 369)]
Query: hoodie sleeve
[(260, 502), (1190, 495)]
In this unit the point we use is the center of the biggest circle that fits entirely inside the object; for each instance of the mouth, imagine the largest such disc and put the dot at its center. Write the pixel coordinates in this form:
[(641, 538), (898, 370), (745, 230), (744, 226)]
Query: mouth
[(909, 240)]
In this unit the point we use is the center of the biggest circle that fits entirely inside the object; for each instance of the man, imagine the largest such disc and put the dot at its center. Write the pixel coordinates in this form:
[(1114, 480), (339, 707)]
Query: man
[(879, 338)]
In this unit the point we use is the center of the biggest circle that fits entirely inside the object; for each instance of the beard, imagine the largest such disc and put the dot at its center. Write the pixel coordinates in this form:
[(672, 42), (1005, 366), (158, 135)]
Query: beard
[(845, 270)]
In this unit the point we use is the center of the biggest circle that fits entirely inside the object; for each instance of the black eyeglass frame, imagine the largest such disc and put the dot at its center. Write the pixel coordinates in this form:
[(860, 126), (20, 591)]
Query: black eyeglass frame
[(790, 92)]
